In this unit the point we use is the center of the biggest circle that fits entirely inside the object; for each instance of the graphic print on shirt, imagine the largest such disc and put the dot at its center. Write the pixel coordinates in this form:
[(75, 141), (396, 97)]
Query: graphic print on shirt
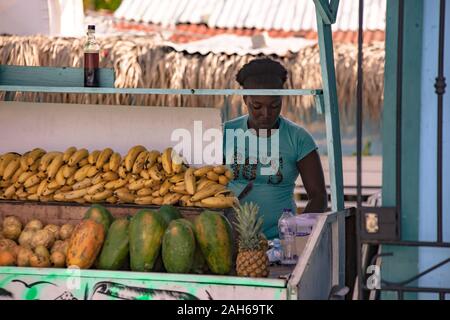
[(250, 169)]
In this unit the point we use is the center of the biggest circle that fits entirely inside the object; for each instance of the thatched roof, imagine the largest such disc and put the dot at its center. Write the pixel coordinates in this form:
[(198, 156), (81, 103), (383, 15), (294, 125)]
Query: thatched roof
[(144, 62)]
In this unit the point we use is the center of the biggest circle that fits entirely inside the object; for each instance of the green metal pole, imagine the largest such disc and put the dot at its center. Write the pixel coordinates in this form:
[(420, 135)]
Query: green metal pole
[(326, 15)]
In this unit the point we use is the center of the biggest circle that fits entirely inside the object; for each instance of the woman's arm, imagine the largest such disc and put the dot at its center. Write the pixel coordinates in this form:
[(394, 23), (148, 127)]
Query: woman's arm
[(311, 171)]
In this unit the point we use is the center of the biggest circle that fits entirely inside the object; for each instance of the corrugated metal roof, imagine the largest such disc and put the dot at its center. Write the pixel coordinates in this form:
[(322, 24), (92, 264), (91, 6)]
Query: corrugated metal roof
[(233, 44), (287, 15)]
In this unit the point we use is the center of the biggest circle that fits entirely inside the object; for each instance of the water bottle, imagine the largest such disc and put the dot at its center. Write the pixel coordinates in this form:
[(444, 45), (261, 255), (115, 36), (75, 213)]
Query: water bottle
[(286, 230), (275, 253)]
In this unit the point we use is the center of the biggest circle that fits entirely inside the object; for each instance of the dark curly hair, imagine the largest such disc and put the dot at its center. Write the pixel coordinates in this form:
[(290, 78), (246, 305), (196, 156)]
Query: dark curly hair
[(263, 72)]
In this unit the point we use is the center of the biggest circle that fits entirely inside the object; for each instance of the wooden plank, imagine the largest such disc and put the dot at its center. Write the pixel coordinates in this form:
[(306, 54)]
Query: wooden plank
[(50, 76), (331, 113)]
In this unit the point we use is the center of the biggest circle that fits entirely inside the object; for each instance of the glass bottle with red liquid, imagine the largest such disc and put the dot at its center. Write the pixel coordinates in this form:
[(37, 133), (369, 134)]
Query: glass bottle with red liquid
[(91, 59)]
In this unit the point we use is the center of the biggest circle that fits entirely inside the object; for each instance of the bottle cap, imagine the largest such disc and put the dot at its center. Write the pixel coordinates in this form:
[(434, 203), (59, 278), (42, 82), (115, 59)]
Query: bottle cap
[(91, 27)]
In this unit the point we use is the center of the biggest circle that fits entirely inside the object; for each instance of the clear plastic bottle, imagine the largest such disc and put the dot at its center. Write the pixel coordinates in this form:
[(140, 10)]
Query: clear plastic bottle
[(286, 230), (91, 59), (275, 254)]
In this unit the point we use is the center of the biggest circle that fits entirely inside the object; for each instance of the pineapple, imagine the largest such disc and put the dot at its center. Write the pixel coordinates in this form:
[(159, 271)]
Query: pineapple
[(252, 260)]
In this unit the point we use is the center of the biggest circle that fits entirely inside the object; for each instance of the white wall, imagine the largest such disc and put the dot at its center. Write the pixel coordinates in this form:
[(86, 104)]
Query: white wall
[(428, 144)]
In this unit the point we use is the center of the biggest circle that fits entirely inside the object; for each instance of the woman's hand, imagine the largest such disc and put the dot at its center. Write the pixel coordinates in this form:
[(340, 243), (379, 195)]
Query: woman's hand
[(311, 171)]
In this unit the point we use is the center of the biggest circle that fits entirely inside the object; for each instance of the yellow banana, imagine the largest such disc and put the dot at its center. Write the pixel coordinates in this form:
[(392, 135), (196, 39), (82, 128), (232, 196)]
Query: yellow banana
[(59, 178), (56, 197), (136, 185), (179, 189), (166, 161), (202, 171), (93, 156), (47, 198), (125, 196), (72, 195), (104, 158), (97, 178), (41, 187), (105, 167), (223, 180), (185, 201), (96, 188), (220, 169), (165, 187), (144, 192), (229, 175), (54, 166), (158, 201), (219, 202), (178, 177), (204, 184), (190, 181), (31, 181), (65, 188), (33, 189), (155, 193), (69, 171), (24, 176), (155, 174), (139, 163), (102, 195), (112, 200), (11, 168), (79, 200), (85, 183), (152, 158), (151, 183), (71, 181), (5, 184), (89, 198), (207, 192), (46, 159), (143, 200), (81, 173), (116, 184), (132, 155), (122, 172), (144, 174), (48, 191), (171, 198), (6, 159), (92, 171), (110, 176), (10, 192), (211, 175), (17, 174), (24, 161), (34, 167), (52, 185), (114, 162), (159, 159), (77, 157), (83, 162), (34, 155), (33, 197), (177, 162), (69, 153)]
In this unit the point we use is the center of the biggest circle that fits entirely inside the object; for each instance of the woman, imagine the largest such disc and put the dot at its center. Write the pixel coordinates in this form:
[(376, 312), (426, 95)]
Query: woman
[(267, 177)]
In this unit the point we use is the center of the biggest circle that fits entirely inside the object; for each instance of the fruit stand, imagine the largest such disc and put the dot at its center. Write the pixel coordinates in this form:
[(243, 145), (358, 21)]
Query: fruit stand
[(62, 191)]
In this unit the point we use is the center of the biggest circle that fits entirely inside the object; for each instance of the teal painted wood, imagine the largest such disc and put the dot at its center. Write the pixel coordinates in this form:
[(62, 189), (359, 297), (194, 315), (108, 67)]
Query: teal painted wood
[(331, 114), (333, 142), (327, 9), (320, 104), (50, 76), (202, 92), (404, 263)]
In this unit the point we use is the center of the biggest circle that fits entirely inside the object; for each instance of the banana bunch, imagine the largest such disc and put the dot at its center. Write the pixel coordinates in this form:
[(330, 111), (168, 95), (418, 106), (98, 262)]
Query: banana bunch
[(144, 177)]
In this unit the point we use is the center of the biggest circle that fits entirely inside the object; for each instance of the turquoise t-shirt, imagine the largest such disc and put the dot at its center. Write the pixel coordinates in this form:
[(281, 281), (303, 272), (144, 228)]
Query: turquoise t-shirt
[(273, 173)]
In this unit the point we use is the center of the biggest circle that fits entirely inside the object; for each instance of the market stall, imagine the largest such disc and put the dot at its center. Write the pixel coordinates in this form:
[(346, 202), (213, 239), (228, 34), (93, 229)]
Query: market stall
[(120, 159)]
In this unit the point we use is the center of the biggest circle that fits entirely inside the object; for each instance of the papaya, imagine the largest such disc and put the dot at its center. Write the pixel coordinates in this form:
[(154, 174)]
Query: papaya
[(146, 230), (115, 250), (85, 244), (213, 233), (169, 213), (199, 265), (178, 247), (101, 215)]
